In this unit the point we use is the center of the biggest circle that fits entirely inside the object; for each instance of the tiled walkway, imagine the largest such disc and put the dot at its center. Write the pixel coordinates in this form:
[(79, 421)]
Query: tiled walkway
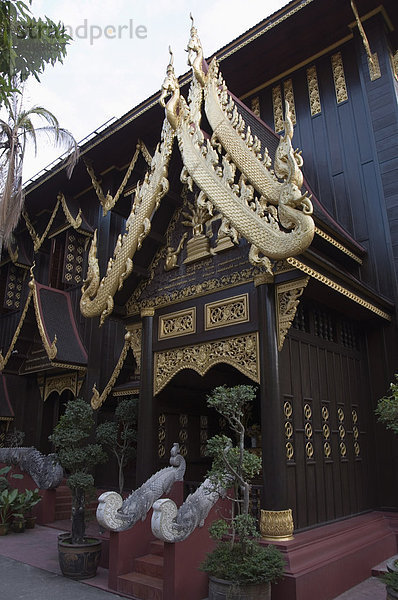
[(38, 548), (371, 589)]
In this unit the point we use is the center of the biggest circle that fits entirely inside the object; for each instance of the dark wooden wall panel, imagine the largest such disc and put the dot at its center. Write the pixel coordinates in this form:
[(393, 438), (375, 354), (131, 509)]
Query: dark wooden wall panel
[(350, 149), (327, 374)]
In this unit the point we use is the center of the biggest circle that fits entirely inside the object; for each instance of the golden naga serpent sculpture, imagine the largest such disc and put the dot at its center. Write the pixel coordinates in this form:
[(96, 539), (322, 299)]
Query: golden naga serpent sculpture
[(274, 216), (264, 205), (97, 295)]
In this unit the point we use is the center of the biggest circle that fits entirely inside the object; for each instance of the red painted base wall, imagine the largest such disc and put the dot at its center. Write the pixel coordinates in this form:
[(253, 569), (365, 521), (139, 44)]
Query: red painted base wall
[(44, 510), (324, 562)]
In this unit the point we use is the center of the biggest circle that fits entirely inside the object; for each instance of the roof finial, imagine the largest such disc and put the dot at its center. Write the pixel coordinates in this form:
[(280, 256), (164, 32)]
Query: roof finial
[(170, 67)]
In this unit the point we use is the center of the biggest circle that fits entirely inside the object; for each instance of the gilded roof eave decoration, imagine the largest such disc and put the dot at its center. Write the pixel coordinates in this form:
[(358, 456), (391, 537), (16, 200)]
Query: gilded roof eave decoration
[(109, 201), (74, 222), (287, 300), (334, 285), (265, 205), (132, 340), (97, 294), (50, 347)]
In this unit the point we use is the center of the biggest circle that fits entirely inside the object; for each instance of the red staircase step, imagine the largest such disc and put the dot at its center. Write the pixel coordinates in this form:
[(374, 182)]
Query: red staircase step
[(156, 547), (139, 585), (150, 564)]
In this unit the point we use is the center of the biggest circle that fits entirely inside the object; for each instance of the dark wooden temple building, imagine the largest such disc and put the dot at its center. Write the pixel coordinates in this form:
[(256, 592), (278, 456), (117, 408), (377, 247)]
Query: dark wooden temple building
[(178, 300)]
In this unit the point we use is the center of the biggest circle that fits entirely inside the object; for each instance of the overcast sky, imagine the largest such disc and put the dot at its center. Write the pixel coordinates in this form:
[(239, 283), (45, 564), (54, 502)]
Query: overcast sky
[(119, 54)]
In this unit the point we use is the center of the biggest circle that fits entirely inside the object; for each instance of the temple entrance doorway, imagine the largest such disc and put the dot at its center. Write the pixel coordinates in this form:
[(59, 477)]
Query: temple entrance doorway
[(53, 409), (183, 416)]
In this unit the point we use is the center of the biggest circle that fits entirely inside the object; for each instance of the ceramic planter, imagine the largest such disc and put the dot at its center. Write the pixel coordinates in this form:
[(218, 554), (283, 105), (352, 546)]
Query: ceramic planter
[(220, 589), (79, 561), (391, 594), (3, 528), (30, 522), (18, 525)]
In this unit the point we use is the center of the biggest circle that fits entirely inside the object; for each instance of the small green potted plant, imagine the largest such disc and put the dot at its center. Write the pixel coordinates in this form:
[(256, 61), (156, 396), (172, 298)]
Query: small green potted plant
[(387, 413), (391, 580), (387, 408), (7, 502), (78, 555), (8, 498), (239, 567), (30, 499)]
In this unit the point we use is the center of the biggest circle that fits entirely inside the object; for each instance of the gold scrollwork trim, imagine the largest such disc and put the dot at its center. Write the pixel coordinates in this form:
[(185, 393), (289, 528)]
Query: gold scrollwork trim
[(289, 96), (313, 91), (239, 351), (60, 383), (75, 223), (337, 244), (136, 306), (255, 106), (98, 399), (227, 312), (4, 360), (288, 295), (147, 312), (339, 78), (176, 324), (135, 343), (109, 201), (294, 262), (278, 108), (38, 240), (373, 61)]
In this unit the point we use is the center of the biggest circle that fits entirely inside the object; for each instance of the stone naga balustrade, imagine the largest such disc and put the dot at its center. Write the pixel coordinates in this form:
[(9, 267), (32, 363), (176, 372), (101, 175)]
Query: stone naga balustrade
[(45, 471), (116, 514)]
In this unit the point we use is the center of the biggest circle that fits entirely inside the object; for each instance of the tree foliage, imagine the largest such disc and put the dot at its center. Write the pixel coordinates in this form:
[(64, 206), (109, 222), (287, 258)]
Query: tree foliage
[(387, 408), (15, 133), (71, 438), (119, 436), (238, 556), (27, 45)]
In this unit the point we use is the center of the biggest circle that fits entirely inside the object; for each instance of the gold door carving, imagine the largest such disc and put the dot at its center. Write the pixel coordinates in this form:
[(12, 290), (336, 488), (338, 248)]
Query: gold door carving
[(239, 351)]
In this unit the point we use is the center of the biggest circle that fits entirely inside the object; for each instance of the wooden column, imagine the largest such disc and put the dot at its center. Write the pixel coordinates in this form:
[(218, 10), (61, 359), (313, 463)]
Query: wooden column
[(146, 442), (272, 435)]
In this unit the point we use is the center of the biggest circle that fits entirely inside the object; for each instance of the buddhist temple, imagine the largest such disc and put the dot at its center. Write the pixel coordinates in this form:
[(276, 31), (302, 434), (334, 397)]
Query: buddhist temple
[(238, 226)]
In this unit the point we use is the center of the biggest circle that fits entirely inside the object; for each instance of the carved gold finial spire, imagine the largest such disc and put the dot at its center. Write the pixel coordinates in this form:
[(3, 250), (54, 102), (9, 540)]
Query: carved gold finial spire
[(195, 54), (171, 87)]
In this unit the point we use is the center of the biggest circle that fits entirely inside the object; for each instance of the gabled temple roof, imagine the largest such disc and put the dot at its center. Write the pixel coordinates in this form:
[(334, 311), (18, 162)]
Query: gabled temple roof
[(58, 321), (61, 345)]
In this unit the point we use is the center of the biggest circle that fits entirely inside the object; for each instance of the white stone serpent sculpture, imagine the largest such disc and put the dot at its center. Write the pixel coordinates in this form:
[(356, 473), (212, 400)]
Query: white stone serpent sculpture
[(45, 471), (175, 525), (116, 514)]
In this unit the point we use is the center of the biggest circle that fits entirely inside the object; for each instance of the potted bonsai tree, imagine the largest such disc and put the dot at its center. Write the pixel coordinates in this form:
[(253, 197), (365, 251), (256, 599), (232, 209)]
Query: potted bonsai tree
[(239, 568), (78, 555), (118, 437), (387, 413)]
